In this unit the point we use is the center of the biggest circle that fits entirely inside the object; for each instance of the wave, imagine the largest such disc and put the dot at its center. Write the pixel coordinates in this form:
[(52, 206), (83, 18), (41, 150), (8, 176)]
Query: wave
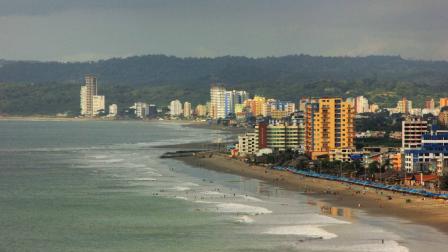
[(312, 231)]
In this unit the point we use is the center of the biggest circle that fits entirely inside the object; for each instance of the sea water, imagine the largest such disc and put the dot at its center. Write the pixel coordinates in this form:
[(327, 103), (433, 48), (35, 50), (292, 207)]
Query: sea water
[(101, 186)]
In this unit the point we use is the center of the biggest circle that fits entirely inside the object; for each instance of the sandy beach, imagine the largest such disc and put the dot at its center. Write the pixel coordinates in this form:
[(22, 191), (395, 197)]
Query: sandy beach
[(425, 211)]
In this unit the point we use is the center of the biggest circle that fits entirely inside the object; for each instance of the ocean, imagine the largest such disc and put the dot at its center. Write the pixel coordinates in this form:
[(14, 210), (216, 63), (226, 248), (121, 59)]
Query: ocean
[(101, 186)]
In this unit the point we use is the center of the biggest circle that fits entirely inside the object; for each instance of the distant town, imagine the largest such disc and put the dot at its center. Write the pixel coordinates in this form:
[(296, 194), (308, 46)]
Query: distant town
[(315, 133)]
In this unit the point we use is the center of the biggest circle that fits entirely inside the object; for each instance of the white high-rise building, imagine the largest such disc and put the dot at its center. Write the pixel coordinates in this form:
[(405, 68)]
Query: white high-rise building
[(141, 109), (217, 102), (113, 110), (98, 104), (361, 105), (176, 108), (187, 109), (91, 103)]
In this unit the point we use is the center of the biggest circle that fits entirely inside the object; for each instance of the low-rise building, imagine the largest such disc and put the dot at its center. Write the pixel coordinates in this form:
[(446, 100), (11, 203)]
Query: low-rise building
[(281, 136)]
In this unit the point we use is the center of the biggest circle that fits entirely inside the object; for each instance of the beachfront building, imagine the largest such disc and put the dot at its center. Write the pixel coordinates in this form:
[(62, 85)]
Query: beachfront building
[(141, 109), (342, 154), (431, 156), (329, 125), (91, 103), (280, 136), (187, 110), (412, 130), (217, 102), (248, 144), (200, 110), (113, 110), (176, 108), (257, 105)]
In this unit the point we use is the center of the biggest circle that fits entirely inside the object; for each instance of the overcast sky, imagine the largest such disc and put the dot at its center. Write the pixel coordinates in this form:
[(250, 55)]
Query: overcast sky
[(75, 30)]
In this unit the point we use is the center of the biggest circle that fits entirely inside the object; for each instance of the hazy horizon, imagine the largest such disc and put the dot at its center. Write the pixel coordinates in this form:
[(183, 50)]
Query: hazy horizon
[(88, 30)]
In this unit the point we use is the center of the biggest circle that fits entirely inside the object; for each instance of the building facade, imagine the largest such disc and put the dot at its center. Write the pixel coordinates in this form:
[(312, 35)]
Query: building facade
[(90, 102), (412, 130), (176, 108), (329, 124), (280, 136), (217, 102), (248, 144), (187, 110)]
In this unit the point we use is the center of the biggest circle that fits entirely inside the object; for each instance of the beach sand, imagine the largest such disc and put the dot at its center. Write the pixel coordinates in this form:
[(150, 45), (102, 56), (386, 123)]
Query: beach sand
[(428, 211)]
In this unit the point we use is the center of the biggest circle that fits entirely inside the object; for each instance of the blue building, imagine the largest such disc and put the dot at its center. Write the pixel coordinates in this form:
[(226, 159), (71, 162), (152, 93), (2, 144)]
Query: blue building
[(432, 156)]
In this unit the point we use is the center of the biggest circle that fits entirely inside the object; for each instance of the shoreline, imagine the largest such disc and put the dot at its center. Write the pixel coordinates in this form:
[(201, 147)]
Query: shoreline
[(428, 211)]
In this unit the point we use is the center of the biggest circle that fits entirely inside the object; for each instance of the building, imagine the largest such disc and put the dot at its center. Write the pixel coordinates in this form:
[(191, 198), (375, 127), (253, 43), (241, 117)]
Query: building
[(280, 136), (329, 124), (200, 110), (412, 130), (430, 104), (248, 144), (373, 108), (257, 105), (342, 154), (361, 105), (113, 110), (443, 117), (443, 102), (217, 102), (141, 109), (404, 106), (176, 108), (431, 156), (98, 104), (187, 110), (90, 102), (152, 111)]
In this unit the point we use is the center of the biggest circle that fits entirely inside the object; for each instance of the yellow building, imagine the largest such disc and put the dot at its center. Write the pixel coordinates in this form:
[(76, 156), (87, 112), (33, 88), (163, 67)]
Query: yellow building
[(257, 105), (329, 125)]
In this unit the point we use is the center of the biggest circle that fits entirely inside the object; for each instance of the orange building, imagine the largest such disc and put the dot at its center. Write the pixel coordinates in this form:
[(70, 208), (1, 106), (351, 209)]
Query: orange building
[(329, 125), (443, 102)]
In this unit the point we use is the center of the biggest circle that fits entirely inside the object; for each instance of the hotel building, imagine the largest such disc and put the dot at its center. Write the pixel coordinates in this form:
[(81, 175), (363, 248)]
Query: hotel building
[(90, 102), (412, 130), (329, 125)]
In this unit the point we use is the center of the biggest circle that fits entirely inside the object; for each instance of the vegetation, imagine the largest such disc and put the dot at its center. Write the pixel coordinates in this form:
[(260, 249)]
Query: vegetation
[(51, 87)]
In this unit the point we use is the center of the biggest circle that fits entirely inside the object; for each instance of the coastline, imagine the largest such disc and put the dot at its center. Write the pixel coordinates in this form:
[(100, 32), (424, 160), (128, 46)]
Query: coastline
[(428, 212)]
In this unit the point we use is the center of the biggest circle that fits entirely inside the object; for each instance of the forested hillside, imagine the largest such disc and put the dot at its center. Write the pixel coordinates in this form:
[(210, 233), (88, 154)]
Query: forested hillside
[(50, 87)]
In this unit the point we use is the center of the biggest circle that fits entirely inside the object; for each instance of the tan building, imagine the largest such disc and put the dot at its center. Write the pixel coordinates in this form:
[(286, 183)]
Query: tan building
[(217, 102), (248, 144), (201, 110), (187, 109), (443, 102), (90, 102), (412, 130), (280, 136)]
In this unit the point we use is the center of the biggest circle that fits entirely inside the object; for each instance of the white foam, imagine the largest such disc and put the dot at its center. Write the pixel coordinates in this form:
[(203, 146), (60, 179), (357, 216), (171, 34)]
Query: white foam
[(241, 208), (301, 230), (377, 246), (244, 219), (143, 179), (250, 198), (190, 184), (213, 193), (181, 188), (181, 197)]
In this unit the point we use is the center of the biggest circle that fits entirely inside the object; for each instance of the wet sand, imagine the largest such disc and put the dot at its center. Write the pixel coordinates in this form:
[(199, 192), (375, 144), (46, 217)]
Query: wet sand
[(428, 211)]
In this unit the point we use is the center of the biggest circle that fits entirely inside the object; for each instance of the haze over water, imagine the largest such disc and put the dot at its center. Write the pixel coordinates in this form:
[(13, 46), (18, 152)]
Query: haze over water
[(100, 186)]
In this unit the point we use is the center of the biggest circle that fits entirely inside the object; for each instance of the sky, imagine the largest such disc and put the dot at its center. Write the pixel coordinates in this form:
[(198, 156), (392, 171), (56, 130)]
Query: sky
[(82, 30)]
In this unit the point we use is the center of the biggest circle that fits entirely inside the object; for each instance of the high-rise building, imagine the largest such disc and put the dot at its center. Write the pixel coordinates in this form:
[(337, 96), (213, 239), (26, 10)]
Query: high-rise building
[(98, 104), (141, 109), (229, 102), (113, 110), (257, 106), (187, 109), (361, 105), (329, 124), (443, 102), (152, 111), (404, 106), (176, 108), (201, 110), (91, 102), (430, 104), (217, 102), (412, 130)]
